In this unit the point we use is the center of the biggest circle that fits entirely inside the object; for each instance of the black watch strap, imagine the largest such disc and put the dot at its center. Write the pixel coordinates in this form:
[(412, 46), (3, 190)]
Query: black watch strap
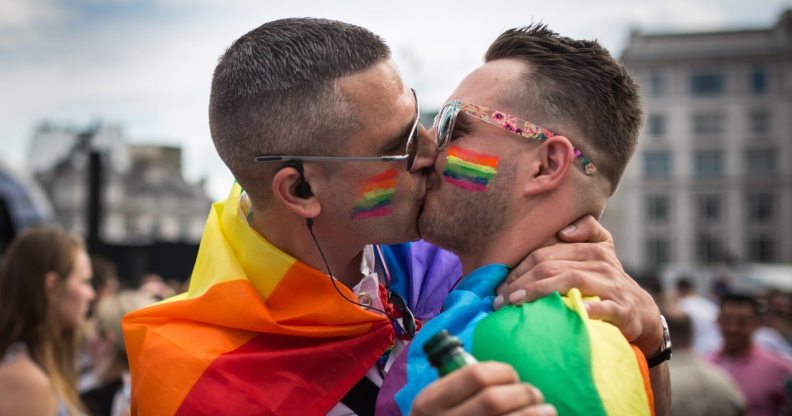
[(660, 358), (665, 347)]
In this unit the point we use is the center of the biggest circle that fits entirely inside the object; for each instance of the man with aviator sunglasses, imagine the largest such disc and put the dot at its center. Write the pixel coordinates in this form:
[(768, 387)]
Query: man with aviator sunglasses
[(289, 311)]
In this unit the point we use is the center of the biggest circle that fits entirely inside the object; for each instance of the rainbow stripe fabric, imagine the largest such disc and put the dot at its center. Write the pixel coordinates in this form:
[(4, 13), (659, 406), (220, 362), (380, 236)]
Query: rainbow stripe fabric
[(377, 196), (582, 366), (469, 170), (258, 332)]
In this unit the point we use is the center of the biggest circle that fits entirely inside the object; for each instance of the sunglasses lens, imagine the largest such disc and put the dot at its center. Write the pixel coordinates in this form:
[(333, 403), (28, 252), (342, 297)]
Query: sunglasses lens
[(408, 320), (412, 148), (445, 125)]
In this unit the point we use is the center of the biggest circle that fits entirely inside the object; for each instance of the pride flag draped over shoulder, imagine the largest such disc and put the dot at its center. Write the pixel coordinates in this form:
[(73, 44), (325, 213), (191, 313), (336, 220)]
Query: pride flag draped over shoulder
[(258, 332), (582, 366)]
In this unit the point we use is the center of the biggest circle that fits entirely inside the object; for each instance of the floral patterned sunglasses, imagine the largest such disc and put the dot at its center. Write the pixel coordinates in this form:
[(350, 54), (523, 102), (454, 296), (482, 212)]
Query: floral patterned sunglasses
[(446, 119)]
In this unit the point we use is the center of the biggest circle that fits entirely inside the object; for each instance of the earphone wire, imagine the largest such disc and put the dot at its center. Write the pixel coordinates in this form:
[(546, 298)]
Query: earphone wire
[(393, 320)]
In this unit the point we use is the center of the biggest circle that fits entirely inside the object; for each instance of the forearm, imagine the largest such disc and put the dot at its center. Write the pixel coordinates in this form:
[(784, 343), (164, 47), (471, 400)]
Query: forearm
[(661, 387)]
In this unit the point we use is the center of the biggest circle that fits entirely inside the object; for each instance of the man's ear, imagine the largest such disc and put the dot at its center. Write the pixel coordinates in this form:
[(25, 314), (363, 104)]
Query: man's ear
[(555, 156), (284, 187)]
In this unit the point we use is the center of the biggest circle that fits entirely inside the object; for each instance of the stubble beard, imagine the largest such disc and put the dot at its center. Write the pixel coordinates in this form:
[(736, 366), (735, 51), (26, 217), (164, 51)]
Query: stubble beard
[(467, 221)]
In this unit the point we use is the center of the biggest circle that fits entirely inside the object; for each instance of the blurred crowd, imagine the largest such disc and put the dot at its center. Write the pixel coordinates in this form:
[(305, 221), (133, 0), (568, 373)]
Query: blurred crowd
[(732, 350), (63, 352), (61, 341)]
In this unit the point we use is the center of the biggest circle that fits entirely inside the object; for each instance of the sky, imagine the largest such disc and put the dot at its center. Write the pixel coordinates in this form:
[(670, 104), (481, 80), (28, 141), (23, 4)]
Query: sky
[(147, 64)]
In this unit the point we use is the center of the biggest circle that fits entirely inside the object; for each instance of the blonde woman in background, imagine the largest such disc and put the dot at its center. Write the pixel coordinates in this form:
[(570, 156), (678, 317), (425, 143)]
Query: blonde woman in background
[(45, 291)]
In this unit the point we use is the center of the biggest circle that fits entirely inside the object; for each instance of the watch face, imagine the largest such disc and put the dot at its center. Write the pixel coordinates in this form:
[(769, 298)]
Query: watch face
[(666, 333)]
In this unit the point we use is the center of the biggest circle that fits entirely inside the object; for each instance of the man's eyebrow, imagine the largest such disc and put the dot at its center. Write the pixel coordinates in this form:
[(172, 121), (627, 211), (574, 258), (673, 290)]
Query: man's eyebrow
[(401, 136)]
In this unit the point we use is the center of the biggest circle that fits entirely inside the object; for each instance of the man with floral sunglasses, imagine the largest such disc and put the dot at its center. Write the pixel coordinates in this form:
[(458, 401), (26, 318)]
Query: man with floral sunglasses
[(501, 188), (289, 311)]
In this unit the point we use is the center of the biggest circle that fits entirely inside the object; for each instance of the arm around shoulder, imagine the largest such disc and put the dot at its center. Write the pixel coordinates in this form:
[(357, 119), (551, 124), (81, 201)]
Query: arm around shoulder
[(25, 390)]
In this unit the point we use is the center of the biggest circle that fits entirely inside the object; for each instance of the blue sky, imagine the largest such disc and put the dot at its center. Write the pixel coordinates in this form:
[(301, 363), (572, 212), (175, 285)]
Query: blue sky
[(147, 64)]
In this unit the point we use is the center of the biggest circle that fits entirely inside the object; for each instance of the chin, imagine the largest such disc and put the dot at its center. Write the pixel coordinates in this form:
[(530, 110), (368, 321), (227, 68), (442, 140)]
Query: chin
[(404, 235)]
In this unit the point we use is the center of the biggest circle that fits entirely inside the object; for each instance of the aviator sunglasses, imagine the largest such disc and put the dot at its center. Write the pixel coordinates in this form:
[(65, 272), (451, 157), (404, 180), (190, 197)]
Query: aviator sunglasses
[(411, 151)]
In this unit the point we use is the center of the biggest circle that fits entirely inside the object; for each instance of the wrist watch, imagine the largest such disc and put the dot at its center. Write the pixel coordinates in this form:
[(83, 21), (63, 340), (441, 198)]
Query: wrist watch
[(664, 354)]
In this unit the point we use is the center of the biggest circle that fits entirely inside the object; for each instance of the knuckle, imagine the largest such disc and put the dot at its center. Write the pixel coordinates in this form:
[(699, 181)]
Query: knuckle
[(546, 269), (490, 401), (575, 278), (534, 395), (537, 257), (478, 375)]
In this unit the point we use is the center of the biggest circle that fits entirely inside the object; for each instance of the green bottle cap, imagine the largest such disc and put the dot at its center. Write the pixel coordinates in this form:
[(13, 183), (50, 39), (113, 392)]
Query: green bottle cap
[(439, 345)]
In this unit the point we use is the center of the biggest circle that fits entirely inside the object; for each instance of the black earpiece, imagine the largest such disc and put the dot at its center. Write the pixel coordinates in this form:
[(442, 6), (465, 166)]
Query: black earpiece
[(302, 189)]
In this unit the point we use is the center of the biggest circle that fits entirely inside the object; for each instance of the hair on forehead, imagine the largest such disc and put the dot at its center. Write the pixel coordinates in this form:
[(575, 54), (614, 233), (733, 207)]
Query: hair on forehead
[(273, 92), (577, 84)]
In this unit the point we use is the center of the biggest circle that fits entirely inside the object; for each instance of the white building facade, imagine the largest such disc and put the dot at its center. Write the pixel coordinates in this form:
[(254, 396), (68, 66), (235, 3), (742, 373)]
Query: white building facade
[(711, 181)]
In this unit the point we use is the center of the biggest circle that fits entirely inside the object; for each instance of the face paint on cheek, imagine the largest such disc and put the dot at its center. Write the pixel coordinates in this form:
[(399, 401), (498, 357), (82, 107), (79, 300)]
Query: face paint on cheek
[(376, 197), (469, 170)]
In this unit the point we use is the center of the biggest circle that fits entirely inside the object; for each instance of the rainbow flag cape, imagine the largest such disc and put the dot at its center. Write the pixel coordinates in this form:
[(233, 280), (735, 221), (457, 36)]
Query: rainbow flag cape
[(582, 366), (258, 332)]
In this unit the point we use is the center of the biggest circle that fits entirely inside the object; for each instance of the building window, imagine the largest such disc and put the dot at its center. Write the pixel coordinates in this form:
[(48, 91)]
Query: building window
[(760, 162), (760, 206), (707, 84), (657, 125), (657, 208), (707, 249), (758, 81), (759, 121), (707, 124), (658, 251), (761, 249), (708, 207), (657, 164), (657, 84), (708, 163)]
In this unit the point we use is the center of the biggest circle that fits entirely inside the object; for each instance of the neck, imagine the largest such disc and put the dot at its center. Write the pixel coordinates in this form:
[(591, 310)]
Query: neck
[(514, 242), (734, 351), (290, 233)]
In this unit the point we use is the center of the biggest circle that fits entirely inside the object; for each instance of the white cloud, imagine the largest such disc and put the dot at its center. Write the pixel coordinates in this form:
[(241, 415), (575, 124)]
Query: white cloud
[(152, 73), (15, 14)]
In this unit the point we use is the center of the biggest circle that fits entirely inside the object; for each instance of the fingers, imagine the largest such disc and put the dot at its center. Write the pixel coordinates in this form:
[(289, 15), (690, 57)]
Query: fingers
[(612, 312), (451, 390), (592, 278), (579, 252), (585, 229), (514, 398), (535, 410)]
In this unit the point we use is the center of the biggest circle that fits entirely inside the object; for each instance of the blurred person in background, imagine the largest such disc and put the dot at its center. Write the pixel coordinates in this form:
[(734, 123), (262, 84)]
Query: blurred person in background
[(703, 313), (154, 284), (111, 394), (760, 374), (776, 330), (698, 388), (105, 282), (45, 291)]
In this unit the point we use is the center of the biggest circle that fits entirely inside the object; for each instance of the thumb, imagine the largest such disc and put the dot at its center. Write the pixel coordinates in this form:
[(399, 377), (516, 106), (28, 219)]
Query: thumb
[(585, 230)]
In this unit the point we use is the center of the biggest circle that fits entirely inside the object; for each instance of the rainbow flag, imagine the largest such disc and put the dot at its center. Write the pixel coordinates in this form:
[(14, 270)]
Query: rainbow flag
[(377, 196), (582, 366), (469, 170), (258, 332)]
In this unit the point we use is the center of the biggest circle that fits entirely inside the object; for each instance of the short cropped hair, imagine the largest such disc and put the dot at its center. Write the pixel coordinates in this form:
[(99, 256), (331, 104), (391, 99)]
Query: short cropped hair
[(274, 92), (577, 83)]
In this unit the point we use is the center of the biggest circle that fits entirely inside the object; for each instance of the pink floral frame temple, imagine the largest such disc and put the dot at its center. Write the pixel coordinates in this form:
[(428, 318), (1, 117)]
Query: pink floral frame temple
[(447, 118)]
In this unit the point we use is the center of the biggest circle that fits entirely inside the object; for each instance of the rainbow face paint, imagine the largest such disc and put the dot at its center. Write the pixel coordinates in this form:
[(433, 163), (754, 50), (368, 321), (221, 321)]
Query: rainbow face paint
[(377, 195), (469, 170)]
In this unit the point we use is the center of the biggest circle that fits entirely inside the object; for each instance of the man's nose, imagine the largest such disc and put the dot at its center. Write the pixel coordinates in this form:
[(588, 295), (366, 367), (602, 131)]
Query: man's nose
[(427, 150)]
